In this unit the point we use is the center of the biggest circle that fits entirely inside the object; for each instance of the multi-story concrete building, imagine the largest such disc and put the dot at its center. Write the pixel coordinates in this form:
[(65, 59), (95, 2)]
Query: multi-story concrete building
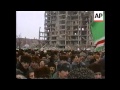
[(68, 29)]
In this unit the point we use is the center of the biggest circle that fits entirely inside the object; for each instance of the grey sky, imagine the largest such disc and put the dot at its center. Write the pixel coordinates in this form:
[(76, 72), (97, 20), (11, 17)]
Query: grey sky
[(28, 23)]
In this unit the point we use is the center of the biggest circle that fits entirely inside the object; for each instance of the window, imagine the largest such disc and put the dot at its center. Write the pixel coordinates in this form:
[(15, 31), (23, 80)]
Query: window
[(48, 18), (45, 34), (79, 28), (75, 27), (62, 27), (68, 22), (69, 12), (53, 25), (83, 33), (48, 22), (68, 17), (54, 11), (62, 16), (75, 12), (62, 22), (62, 12), (82, 29), (54, 38), (73, 22), (68, 27)]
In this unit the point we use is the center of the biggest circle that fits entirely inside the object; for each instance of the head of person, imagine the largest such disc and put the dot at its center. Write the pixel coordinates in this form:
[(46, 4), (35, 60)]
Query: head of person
[(96, 55), (81, 73), (44, 58), (48, 56), (98, 75), (25, 61), (42, 73), (34, 62), (52, 67), (96, 67), (55, 57), (20, 52), (83, 55), (31, 75), (90, 56), (63, 70), (75, 58), (42, 63)]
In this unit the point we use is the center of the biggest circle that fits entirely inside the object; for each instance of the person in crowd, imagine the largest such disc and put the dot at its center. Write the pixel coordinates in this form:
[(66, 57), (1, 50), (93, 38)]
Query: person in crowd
[(78, 62), (42, 63), (97, 56), (24, 64), (42, 73), (59, 64), (96, 68), (62, 71), (75, 61), (89, 59), (34, 63), (31, 74), (19, 74), (81, 73), (52, 68)]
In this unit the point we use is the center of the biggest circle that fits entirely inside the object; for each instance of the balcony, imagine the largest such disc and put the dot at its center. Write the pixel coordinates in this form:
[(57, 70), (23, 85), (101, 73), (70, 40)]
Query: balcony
[(74, 39), (54, 35), (61, 44)]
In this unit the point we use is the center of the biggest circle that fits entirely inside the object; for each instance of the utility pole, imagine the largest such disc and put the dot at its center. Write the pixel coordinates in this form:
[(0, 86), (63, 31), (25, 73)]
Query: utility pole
[(19, 41), (25, 41), (66, 30), (39, 37)]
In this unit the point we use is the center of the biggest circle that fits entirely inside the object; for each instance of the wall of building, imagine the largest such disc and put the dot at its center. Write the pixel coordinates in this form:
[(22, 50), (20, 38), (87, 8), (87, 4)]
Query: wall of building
[(68, 28)]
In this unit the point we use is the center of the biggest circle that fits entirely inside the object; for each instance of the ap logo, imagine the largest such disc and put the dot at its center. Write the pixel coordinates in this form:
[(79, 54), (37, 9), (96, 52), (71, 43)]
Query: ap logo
[(98, 16)]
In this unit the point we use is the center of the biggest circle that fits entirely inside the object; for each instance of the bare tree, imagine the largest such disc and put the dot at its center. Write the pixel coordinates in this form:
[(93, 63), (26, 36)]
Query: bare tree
[(19, 41)]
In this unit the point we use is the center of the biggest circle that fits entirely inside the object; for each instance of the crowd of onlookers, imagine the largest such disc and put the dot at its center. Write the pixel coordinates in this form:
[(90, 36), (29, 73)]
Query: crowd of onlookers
[(53, 64)]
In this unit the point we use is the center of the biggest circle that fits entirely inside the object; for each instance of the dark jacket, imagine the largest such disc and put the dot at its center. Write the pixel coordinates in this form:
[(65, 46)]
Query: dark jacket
[(77, 65), (20, 67), (55, 76)]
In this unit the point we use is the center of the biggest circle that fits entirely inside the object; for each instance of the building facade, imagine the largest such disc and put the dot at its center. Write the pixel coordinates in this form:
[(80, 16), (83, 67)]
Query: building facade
[(68, 29)]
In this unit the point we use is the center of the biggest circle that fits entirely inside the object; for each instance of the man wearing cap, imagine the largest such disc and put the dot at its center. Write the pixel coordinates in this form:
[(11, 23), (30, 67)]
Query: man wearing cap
[(63, 71)]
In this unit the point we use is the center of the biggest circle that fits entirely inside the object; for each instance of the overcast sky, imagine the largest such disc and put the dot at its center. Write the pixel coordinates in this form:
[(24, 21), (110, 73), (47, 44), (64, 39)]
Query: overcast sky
[(28, 23)]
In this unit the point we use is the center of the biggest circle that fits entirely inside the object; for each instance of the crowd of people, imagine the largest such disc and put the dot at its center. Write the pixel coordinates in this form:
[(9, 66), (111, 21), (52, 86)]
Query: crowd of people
[(53, 64)]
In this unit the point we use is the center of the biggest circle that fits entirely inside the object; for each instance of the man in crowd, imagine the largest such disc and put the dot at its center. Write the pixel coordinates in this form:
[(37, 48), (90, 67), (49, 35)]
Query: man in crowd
[(63, 71)]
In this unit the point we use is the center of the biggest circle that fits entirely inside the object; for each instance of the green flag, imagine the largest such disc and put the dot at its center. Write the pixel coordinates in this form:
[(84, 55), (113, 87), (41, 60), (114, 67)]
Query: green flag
[(98, 34)]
